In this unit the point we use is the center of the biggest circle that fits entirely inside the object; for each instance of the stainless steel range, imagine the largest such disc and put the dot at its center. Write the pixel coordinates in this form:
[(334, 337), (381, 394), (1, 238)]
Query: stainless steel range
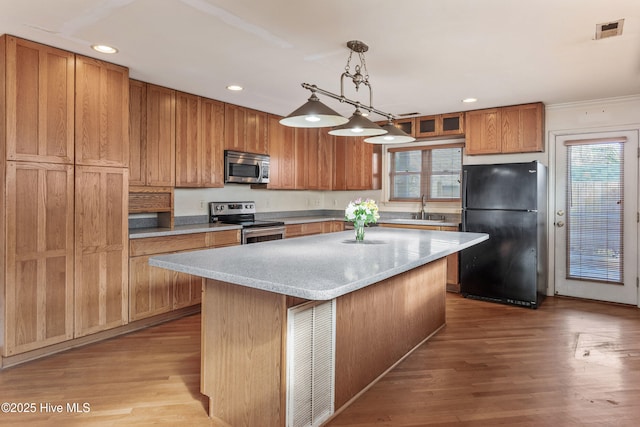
[(243, 213)]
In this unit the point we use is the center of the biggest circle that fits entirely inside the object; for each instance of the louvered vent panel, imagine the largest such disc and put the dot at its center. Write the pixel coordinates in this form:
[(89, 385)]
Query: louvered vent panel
[(310, 364)]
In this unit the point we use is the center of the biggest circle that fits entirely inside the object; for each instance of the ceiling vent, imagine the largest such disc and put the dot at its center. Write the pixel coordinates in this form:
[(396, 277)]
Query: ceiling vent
[(609, 29)]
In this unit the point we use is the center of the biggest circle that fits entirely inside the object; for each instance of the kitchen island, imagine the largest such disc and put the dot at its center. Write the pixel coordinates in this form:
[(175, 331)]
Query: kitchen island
[(297, 329)]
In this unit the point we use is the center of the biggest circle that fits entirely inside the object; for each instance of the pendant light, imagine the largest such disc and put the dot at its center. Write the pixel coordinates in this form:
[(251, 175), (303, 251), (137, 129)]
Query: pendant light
[(315, 114), (394, 135), (358, 125)]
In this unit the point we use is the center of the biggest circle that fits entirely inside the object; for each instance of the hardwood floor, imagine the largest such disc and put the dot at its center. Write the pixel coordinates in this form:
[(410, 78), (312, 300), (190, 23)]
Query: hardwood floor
[(569, 363)]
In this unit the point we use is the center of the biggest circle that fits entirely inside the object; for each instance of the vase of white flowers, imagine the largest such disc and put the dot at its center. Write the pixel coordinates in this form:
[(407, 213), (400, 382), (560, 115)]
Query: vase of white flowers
[(361, 213)]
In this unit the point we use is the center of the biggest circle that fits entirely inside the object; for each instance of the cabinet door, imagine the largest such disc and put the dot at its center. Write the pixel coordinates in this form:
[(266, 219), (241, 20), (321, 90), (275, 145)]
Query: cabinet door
[(212, 143), (39, 256), (522, 127), (188, 140), (320, 160), (161, 136), (101, 263), (483, 132), (150, 291), (301, 137), (282, 153), (256, 132), (428, 126), (451, 124), (187, 289), (137, 132), (234, 127), (39, 102), (101, 113)]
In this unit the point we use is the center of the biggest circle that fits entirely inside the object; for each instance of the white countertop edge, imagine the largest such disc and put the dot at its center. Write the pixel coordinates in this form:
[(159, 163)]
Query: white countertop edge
[(179, 230), (310, 294)]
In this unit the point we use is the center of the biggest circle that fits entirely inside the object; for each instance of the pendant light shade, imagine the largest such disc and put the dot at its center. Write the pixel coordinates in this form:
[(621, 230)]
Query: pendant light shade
[(314, 114), (394, 135), (358, 125)]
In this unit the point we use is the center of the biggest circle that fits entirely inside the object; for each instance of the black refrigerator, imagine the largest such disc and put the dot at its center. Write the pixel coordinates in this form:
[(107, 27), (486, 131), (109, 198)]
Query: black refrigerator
[(509, 202)]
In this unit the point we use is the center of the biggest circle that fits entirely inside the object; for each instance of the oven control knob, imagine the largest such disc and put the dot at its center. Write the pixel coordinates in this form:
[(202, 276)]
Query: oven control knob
[(247, 206)]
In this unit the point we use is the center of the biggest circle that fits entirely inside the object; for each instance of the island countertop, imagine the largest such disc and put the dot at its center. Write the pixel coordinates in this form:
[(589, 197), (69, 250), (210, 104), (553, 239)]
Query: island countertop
[(324, 266)]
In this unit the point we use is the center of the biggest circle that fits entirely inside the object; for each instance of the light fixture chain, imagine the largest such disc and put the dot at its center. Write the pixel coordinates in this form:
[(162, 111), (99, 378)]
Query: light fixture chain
[(348, 67), (364, 65)]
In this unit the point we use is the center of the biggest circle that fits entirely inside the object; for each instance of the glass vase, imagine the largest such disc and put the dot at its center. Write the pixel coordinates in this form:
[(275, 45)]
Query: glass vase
[(358, 227)]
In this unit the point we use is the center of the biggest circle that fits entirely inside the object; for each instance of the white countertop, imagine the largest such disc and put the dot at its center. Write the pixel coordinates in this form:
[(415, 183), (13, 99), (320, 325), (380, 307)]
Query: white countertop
[(323, 266)]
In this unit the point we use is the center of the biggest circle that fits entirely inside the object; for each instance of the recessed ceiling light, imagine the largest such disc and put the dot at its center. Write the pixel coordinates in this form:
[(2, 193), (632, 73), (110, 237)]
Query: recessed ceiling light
[(469, 100), (235, 87), (103, 48)]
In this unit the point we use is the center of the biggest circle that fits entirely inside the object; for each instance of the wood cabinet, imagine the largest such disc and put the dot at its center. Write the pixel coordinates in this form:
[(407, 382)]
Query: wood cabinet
[(151, 135), (154, 290), (101, 113), (320, 155), (39, 283), (301, 141), (199, 141), (514, 129), (354, 164), (39, 101), (438, 125), (245, 129), (483, 132), (101, 249), (310, 228), (283, 155), (522, 128)]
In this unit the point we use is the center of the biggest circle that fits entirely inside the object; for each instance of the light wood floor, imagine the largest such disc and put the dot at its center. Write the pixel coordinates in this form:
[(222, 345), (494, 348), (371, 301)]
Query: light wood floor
[(569, 363)]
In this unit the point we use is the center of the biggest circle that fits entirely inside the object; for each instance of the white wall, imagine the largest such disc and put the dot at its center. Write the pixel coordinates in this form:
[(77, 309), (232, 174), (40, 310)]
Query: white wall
[(188, 201)]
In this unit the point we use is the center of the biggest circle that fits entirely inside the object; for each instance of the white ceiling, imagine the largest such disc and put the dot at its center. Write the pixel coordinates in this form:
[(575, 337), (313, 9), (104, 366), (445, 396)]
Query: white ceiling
[(424, 56)]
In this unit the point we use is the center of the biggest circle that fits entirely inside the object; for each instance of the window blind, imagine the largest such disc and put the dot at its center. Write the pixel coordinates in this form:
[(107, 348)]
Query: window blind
[(595, 210)]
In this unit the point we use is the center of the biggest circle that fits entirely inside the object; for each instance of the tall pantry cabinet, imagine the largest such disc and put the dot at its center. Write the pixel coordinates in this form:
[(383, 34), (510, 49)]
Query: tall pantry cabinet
[(63, 217)]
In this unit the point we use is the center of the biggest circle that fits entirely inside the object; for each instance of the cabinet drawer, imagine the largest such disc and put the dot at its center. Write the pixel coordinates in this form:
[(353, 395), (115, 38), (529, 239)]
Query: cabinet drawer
[(297, 230), (159, 245), (223, 238)]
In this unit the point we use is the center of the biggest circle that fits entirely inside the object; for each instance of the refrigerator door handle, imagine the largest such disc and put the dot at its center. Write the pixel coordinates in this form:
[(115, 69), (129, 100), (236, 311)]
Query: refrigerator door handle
[(464, 190)]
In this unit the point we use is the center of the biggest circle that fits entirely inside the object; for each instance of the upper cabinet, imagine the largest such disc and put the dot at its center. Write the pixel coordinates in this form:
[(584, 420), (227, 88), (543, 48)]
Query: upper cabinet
[(151, 135), (283, 155), (101, 113), (39, 101), (245, 129), (320, 164), (441, 125), (199, 141), (513, 129), (355, 164)]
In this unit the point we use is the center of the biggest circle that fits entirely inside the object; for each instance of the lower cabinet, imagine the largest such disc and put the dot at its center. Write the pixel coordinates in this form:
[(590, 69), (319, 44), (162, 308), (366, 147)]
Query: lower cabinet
[(154, 290), (37, 295), (453, 260), (310, 228), (101, 251)]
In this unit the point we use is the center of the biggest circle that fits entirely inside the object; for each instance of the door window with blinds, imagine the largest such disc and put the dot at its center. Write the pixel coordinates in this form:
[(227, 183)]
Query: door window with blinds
[(595, 210), (432, 171)]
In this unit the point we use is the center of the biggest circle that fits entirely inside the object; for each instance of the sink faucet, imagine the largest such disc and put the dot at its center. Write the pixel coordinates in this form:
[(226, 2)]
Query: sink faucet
[(423, 214)]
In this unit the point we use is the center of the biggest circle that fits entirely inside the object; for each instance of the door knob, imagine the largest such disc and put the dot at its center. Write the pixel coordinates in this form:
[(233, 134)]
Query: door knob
[(560, 223), (560, 212)]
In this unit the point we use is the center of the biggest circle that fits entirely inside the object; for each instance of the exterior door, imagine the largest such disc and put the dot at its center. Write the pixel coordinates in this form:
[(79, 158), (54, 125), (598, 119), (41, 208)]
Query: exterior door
[(596, 204)]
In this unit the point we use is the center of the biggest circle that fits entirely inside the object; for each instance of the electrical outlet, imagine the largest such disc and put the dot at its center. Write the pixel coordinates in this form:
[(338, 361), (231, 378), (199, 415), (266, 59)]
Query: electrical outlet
[(202, 204), (335, 202), (317, 202)]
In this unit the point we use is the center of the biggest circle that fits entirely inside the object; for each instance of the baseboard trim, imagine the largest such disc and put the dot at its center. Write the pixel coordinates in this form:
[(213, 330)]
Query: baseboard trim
[(18, 359)]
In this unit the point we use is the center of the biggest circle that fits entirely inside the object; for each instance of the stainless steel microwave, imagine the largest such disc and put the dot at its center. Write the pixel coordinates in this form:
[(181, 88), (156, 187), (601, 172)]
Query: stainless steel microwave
[(246, 168)]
